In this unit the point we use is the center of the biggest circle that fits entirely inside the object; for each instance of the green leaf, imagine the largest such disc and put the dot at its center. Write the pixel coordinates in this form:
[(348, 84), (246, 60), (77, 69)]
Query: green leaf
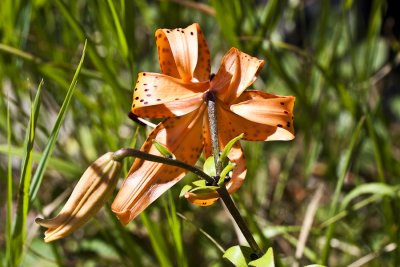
[(343, 167), (120, 33), (267, 260), (19, 230), (371, 188), (225, 172), (159, 244), (209, 166), (185, 189), (8, 232), (199, 183), (237, 255), (163, 149), (229, 146), (204, 189), (37, 179)]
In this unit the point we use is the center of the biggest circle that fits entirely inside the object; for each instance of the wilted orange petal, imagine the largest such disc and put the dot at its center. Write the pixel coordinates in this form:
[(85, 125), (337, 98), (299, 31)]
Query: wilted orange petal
[(178, 46), (159, 96), (205, 199), (237, 72), (147, 180), (89, 195), (263, 108)]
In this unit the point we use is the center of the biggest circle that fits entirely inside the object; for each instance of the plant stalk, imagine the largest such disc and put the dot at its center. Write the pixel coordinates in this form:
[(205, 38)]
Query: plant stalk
[(222, 191)]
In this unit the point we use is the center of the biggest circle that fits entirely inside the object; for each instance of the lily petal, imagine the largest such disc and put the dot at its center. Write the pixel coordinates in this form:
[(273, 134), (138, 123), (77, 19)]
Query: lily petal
[(159, 96), (178, 51), (147, 180), (272, 110), (237, 72)]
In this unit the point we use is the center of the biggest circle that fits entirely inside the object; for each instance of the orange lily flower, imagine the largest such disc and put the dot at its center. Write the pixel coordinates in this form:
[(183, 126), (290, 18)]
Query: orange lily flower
[(178, 94)]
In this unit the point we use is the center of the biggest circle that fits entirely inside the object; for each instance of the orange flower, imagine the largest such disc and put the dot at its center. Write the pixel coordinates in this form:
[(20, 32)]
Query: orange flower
[(178, 95)]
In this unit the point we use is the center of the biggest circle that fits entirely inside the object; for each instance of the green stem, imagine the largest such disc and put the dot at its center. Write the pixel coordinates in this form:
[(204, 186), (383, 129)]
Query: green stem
[(223, 193)]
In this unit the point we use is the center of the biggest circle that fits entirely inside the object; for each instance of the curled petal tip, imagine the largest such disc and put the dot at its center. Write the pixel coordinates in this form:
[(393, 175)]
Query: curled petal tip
[(123, 216)]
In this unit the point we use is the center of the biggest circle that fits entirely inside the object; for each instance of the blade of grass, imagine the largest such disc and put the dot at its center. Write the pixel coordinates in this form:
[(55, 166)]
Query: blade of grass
[(120, 33), (19, 229), (343, 168), (8, 230), (97, 60), (64, 167), (175, 226), (157, 241), (37, 179), (133, 251)]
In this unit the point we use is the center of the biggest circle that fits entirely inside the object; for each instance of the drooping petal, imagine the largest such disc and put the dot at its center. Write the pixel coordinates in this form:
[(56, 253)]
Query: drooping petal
[(147, 180), (267, 109), (159, 96), (89, 195), (237, 72), (179, 51)]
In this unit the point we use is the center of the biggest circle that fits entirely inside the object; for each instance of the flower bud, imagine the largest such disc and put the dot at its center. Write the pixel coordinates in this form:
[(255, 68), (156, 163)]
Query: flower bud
[(89, 195)]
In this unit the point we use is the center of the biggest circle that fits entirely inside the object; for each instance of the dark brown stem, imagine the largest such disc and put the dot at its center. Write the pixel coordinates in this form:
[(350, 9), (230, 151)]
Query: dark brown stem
[(222, 191), (129, 152)]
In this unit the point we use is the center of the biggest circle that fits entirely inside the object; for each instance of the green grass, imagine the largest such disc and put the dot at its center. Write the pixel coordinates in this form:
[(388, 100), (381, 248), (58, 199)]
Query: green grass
[(54, 123)]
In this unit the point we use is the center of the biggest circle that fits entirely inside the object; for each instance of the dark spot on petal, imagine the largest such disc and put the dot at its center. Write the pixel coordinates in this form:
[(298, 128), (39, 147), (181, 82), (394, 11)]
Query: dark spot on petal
[(146, 103), (191, 33), (158, 99), (286, 112), (144, 74), (288, 124), (141, 100), (282, 103), (136, 98), (279, 125), (148, 95)]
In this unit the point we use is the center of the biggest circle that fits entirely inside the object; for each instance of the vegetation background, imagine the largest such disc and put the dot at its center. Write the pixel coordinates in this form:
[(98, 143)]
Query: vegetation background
[(330, 196)]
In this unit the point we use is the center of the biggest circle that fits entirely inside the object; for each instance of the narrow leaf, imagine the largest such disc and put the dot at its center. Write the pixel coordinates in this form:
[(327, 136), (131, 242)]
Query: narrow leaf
[(229, 146), (163, 150), (371, 188), (19, 229), (237, 255), (267, 260), (37, 179)]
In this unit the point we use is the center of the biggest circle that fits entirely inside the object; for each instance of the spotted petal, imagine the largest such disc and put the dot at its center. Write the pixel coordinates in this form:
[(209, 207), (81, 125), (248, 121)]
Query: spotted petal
[(267, 109), (237, 72), (183, 53), (147, 180), (159, 96)]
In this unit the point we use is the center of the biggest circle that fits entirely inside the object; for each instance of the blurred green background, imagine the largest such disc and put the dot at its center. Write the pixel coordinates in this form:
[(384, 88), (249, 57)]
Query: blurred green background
[(330, 196)]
